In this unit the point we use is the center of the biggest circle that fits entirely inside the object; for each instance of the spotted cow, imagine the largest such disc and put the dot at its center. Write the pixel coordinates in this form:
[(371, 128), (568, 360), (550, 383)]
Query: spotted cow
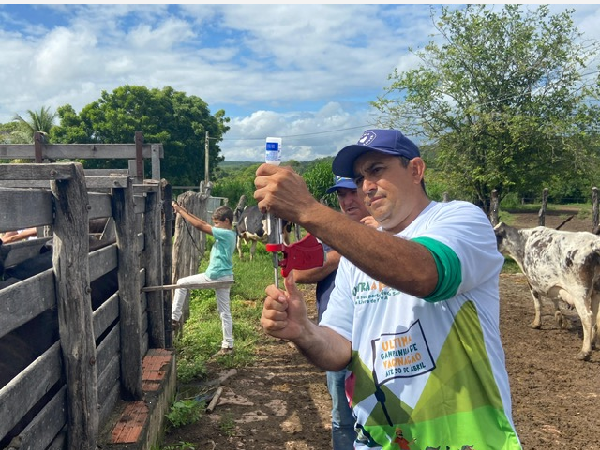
[(251, 227), (559, 265)]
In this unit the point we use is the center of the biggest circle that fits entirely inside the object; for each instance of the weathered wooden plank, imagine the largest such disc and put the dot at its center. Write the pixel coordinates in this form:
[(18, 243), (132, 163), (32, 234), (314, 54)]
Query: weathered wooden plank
[(106, 182), (170, 287), (130, 308), (105, 315), (109, 377), (108, 348), (25, 184), (47, 424), (77, 151), (167, 255), (147, 186), (145, 340), (139, 202), (60, 441), (19, 251), (15, 311), (103, 261), (109, 404), (27, 388), (23, 208), (29, 171), (91, 182), (99, 205), (105, 172), (153, 264), (70, 265)]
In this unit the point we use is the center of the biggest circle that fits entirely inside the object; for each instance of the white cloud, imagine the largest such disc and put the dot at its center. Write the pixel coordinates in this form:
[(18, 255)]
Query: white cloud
[(305, 135), (303, 72)]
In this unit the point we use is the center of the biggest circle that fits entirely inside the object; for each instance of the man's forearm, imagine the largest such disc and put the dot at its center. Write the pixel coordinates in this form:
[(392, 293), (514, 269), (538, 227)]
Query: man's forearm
[(324, 348)]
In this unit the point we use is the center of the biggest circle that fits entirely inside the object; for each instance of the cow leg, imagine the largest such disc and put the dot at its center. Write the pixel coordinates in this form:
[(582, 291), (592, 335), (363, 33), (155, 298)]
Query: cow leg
[(585, 314), (239, 247), (537, 307), (252, 249), (595, 318), (558, 315)]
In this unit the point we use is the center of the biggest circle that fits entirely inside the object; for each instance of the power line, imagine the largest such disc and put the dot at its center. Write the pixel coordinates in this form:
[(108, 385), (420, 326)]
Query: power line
[(297, 135)]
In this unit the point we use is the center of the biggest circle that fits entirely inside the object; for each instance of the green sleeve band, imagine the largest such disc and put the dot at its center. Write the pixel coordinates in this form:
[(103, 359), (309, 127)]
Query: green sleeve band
[(448, 267)]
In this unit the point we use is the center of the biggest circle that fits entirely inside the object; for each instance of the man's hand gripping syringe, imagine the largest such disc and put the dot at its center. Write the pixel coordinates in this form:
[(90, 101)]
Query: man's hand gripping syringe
[(306, 253), (283, 193)]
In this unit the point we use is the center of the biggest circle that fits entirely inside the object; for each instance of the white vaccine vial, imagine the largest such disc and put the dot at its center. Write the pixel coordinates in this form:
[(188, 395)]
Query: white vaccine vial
[(273, 150)]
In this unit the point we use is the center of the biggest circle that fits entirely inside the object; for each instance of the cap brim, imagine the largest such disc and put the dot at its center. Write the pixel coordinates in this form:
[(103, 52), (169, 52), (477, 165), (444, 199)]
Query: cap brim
[(343, 164), (342, 184)]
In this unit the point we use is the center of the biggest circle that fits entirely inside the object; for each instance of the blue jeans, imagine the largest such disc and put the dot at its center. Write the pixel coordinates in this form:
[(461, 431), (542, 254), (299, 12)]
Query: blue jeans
[(342, 420)]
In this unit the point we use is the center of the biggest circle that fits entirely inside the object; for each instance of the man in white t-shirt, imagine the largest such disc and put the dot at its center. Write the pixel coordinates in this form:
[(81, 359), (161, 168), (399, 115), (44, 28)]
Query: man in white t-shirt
[(414, 315)]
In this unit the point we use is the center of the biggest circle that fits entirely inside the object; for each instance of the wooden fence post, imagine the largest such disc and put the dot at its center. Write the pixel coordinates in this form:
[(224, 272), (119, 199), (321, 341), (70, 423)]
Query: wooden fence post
[(129, 292), (188, 246), (153, 264), (595, 214), (543, 209), (72, 282), (494, 208), (167, 256)]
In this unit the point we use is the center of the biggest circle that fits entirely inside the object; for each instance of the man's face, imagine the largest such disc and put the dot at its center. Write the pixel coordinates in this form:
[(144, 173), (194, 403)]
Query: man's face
[(392, 192), (352, 203)]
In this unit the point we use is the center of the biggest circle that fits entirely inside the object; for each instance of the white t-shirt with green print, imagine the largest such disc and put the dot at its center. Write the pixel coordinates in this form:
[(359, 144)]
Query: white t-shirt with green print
[(429, 373)]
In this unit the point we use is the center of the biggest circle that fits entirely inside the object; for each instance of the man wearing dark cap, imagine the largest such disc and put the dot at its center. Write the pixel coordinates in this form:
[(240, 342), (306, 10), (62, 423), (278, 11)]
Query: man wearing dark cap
[(414, 314), (353, 206)]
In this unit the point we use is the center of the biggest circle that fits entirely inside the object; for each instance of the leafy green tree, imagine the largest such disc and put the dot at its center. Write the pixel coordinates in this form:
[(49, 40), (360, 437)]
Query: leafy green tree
[(236, 184), (318, 177), (12, 133), (165, 116), (503, 97), (42, 120)]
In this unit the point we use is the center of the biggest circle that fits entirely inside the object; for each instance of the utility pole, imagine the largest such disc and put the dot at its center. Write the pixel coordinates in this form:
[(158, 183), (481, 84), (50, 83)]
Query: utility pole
[(206, 159)]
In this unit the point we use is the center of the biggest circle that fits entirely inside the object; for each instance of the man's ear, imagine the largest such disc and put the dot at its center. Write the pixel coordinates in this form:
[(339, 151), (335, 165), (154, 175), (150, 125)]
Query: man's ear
[(418, 169)]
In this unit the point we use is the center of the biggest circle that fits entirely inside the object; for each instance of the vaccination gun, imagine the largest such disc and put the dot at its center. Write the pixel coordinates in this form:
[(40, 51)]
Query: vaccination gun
[(307, 253)]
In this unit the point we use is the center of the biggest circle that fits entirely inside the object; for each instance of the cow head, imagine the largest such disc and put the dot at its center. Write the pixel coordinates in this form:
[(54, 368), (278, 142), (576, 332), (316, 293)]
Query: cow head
[(508, 239)]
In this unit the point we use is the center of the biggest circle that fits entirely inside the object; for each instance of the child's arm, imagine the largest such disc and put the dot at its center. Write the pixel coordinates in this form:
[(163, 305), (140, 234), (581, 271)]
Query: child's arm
[(193, 220)]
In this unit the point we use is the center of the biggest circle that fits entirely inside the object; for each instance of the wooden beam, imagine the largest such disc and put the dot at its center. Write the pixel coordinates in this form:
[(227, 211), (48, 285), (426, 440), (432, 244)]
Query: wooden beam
[(208, 285), (77, 151), (29, 171)]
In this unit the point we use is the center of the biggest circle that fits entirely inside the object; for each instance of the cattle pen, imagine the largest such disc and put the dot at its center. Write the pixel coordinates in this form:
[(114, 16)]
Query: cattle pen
[(92, 360)]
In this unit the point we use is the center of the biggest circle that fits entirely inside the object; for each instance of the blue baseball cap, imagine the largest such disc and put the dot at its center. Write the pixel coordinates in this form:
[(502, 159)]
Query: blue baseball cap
[(341, 182), (390, 142)]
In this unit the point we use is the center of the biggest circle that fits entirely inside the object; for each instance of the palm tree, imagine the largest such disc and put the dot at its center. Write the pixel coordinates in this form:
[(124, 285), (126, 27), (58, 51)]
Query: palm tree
[(38, 121)]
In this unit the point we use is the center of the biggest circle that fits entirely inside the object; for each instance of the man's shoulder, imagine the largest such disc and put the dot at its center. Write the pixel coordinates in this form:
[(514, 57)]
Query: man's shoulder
[(457, 208)]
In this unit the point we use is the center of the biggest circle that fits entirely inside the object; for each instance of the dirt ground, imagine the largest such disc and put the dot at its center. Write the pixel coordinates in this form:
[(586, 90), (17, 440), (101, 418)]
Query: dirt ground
[(282, 403)]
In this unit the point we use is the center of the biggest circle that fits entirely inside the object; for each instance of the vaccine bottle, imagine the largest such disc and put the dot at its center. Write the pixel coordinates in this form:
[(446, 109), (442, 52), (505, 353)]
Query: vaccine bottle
[(273, 150)]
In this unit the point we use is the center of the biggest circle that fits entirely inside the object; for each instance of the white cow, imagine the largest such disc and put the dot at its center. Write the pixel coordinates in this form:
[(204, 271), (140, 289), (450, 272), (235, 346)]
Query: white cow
[(560, 265)]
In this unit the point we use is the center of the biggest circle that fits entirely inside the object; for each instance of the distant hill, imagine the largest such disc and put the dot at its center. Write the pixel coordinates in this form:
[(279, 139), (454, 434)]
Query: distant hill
[(234, 165), (231, 167)]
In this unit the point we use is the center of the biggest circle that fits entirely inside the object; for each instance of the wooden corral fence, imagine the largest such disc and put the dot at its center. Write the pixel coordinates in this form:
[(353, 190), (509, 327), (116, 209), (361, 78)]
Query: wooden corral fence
[(65, 397), (594, 227)]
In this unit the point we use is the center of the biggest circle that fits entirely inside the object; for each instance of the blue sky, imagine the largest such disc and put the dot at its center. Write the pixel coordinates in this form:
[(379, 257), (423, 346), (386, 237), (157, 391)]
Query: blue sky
[(305, 73)]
